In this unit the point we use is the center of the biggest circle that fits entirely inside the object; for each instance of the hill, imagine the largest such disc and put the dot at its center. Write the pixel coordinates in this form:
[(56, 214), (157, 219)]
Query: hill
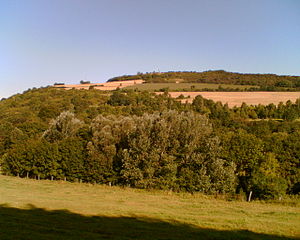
[(265, 81), (31, 209), (143, 140)]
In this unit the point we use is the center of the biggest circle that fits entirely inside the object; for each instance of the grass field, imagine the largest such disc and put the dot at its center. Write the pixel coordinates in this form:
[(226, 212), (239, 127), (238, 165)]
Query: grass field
[(31, 209), (184, 86)]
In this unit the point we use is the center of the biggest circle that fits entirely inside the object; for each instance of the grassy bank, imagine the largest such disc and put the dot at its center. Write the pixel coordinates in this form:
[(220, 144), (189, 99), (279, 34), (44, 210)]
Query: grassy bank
[(33, 209)]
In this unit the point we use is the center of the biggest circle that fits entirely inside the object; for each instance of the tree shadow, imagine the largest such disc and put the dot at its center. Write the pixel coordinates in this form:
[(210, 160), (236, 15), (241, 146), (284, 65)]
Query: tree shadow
[(37, 223)]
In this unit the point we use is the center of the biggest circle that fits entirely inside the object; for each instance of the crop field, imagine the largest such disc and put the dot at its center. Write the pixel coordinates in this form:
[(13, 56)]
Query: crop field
[(237, 98), (184, 86), (31, 209)]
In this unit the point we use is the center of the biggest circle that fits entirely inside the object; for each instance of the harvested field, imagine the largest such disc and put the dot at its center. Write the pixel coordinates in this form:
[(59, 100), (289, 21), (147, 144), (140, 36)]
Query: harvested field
[(237, 98), (108, 86)]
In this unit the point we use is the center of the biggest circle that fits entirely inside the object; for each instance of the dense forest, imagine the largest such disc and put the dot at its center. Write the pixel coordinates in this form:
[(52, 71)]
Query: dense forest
[(265, 82), (143, 140)]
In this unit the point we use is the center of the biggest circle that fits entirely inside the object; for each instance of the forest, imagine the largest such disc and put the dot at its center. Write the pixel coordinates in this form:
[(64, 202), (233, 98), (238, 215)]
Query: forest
[(260, 82), (143, 140)]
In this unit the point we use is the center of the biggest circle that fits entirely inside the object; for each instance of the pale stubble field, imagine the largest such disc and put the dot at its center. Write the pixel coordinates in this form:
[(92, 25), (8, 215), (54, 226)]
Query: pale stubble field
[(237, 98)]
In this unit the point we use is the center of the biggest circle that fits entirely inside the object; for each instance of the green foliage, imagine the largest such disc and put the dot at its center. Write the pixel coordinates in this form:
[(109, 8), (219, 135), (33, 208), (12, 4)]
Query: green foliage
[(47, 112), (73, 155), (266, 180), (160, 151), (199, 105), (246, 151), (119, 99), (33, 159), (108, 133), (64, 126)]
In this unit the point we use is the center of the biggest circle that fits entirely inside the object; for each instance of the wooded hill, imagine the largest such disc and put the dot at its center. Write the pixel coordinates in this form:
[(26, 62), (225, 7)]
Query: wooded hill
[(264, 81), (143, 140)]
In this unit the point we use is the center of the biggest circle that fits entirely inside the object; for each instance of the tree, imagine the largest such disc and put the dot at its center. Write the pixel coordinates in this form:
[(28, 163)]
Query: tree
[(175, 151), (119, 99), (246, 151), (199, 105), (108, 136), (73, 155), (33, 158), (168, 150), (65, 125), (266, 180)]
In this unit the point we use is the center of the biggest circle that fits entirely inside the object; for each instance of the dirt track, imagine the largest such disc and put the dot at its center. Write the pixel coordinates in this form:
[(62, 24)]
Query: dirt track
[(237, 98)]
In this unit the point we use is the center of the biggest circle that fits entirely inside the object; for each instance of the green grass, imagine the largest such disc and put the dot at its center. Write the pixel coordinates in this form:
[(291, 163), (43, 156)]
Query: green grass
[(185, 86), (31, 209)]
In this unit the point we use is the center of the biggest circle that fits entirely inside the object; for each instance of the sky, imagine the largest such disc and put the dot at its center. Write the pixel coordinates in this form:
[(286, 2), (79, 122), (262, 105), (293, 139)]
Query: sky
[(48, 41)]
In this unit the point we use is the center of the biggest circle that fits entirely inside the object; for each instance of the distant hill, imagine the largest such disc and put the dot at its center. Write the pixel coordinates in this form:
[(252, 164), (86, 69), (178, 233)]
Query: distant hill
[(267, 81)]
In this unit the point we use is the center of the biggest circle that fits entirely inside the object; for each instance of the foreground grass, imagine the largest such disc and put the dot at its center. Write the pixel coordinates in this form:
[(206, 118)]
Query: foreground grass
[(59, 210), (185, 86)]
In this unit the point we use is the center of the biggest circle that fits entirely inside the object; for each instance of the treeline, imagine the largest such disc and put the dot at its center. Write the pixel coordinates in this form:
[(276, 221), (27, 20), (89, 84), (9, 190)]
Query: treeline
[(216, 110), (167, 150), (146, 141), (266, 82)]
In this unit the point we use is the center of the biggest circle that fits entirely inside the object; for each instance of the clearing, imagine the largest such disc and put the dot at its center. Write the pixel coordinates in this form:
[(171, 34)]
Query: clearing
[(31, 209)]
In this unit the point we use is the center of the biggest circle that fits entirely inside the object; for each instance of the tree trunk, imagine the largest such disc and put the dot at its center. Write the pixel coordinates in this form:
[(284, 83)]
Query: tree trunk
[(27, 175), (51, 178), (249, 197)]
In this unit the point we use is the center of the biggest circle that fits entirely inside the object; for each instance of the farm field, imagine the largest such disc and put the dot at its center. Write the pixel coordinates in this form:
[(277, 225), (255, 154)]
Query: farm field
[(31, 209), (237, 98), (184, 86)]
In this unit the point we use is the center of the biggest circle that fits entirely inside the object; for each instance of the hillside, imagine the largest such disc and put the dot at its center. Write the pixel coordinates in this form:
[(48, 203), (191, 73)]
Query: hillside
[(265, 81), (32, 209), (187, 87), (150, 141)]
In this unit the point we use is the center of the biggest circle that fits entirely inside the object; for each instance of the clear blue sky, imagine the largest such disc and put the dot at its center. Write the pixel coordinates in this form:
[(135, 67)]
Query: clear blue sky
[(48, 41)]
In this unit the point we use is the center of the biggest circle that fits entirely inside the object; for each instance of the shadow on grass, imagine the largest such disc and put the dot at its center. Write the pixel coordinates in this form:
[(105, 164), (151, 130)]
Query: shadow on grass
[(38, 223)]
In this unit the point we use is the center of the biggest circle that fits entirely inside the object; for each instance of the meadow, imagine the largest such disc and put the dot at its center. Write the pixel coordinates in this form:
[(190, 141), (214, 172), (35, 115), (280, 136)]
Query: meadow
[(186, 86), (31, 209)]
